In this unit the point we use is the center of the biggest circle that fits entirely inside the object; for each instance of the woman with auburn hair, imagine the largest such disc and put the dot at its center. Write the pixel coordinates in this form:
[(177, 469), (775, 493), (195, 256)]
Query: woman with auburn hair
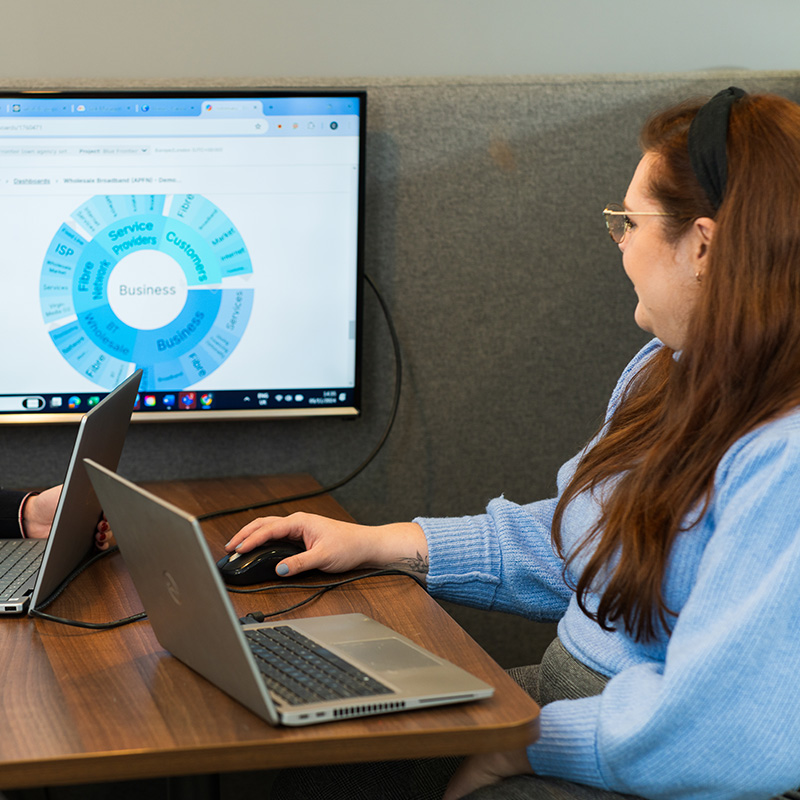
[(671, 555)]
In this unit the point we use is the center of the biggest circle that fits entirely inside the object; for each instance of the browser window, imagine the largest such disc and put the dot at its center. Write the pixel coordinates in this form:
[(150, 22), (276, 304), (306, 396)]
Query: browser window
[(215, 241)]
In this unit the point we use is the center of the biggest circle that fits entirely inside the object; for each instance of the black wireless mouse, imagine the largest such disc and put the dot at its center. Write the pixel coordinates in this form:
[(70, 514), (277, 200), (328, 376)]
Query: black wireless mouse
[(257, 566)]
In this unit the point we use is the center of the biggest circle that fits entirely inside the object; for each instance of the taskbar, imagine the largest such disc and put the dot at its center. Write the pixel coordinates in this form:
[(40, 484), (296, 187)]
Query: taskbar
[(165, 401)]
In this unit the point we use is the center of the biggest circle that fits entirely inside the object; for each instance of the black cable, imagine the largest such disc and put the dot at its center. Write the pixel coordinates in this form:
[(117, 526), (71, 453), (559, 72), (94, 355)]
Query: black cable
[(37, 612), (100, 626), (322, 588), (332, 487), (255, 616)]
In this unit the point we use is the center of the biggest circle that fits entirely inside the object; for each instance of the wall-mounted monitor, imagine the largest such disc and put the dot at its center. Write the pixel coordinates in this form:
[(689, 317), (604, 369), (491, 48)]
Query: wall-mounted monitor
[(212, 239)]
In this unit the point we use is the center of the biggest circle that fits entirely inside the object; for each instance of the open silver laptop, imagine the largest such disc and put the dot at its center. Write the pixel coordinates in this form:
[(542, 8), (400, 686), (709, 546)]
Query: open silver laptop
[(41, 565), (193, 618)]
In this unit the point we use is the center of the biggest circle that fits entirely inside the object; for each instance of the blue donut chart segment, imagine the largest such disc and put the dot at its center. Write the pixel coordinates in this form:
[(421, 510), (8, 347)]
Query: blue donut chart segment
[(82, 354), (192, 252), (60, 262), (199, 214), (103, 328), (192, 359), (184, 333), (103, 210), (115, 242), (74, 289)]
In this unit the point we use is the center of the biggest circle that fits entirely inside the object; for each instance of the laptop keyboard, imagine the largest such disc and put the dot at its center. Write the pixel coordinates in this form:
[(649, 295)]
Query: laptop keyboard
[(301, 671), (19, 560)]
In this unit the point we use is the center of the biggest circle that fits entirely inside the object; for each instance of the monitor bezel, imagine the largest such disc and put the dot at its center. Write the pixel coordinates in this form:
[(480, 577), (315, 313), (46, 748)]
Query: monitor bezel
[(256, 413)]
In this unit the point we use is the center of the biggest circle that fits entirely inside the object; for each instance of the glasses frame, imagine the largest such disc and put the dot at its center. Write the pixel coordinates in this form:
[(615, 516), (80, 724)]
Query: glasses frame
[(616, 210)]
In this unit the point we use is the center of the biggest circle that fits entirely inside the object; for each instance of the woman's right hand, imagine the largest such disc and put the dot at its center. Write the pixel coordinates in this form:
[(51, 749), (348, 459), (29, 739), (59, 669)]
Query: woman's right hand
[(336, 546)]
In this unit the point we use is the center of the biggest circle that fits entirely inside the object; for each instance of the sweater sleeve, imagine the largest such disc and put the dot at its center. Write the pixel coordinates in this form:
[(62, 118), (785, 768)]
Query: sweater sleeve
[(717, 718), (9, 514), (502, 560)]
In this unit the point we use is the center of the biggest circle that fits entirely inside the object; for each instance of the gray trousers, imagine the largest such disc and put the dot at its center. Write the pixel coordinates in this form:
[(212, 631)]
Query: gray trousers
[(558, 677)]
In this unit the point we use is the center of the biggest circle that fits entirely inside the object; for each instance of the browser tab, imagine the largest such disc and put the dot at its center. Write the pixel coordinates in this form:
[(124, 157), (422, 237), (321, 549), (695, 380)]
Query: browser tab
[(229, 108)]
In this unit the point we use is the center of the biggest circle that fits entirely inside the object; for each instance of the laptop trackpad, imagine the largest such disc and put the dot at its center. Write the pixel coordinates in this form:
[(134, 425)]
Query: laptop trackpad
[(387, 654)]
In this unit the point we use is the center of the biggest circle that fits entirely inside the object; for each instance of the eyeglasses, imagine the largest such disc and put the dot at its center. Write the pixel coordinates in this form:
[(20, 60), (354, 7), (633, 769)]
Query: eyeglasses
[(618, 220)]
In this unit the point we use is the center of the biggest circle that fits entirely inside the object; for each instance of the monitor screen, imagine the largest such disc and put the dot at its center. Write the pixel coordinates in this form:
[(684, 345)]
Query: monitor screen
[(213, 240)]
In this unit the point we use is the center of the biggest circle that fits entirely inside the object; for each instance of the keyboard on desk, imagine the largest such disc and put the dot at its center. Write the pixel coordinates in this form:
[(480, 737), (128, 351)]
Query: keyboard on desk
[(20, 560), (301, 671)]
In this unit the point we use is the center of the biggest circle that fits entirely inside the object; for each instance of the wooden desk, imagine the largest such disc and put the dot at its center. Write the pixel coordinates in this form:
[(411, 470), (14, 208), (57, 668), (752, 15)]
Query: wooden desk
[(83, 706)]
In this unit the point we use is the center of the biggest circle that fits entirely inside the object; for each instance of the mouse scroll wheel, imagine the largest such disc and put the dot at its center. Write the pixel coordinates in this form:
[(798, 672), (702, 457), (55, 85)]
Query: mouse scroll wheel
[(233, 556)]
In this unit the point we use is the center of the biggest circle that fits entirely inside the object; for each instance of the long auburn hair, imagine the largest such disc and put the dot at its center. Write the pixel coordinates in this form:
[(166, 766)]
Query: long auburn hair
[(739, 367)]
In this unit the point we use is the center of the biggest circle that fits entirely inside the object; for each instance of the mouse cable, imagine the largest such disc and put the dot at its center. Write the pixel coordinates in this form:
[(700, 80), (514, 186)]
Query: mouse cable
[(37, 612), (253, 616), (398, 362), (321, 588)]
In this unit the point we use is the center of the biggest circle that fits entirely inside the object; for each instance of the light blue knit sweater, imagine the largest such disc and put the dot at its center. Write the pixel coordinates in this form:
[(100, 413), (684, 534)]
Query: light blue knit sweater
[(712, 711)]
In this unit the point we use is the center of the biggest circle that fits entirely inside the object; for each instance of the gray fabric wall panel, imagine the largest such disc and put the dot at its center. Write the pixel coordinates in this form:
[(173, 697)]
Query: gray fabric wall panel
[(484, 234)]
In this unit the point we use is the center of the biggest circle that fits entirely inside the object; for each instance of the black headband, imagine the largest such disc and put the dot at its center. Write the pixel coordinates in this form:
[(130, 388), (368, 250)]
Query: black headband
[(708, 143)]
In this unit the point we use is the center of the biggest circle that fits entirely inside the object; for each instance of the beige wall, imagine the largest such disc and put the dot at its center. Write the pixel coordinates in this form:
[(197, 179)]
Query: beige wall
[(97, 39)]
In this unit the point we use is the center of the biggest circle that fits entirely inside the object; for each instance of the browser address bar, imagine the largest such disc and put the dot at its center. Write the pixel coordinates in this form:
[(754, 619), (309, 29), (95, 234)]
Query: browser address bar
[(127, 126)]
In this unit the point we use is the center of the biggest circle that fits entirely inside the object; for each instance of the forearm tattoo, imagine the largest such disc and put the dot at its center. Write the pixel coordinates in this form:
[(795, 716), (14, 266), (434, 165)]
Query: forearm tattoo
[(417, 564)]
